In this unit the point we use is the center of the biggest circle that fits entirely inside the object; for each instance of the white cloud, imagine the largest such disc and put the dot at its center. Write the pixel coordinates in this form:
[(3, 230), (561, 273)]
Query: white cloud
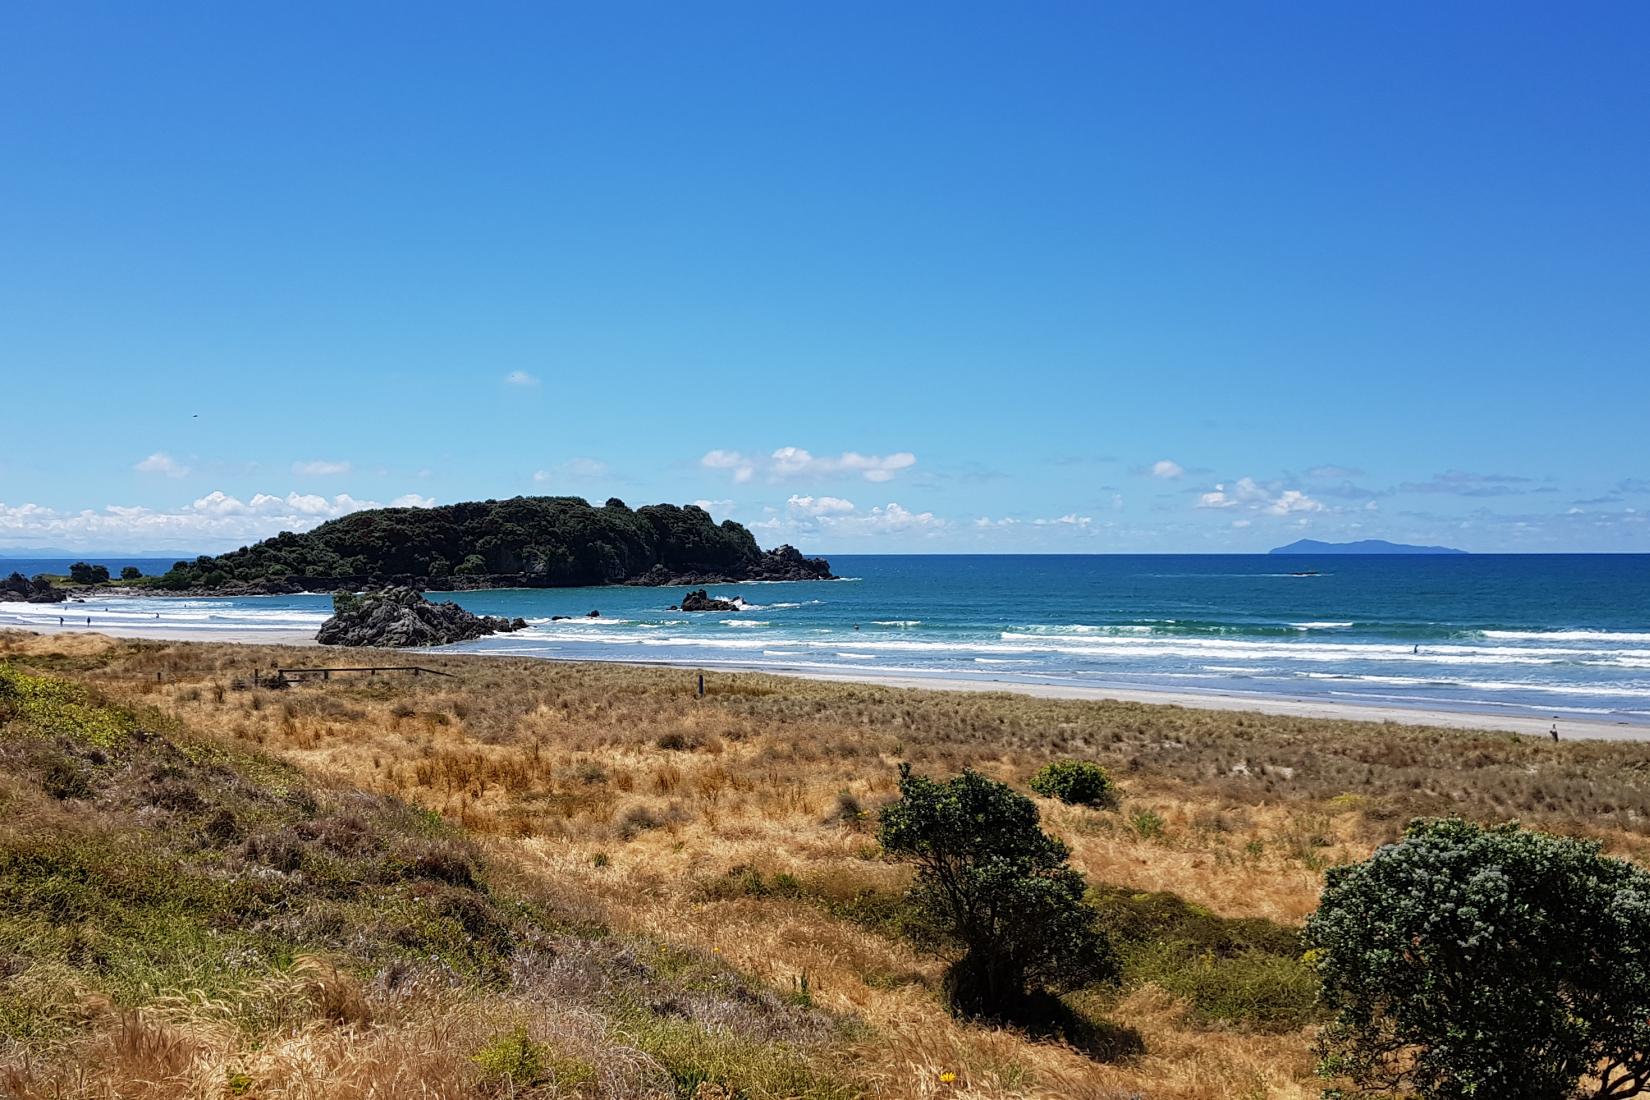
[(723, 508), (1293, 500), (520, 378), (1245, 492), (1167, 468), (574, 469), (1070, 519), (216, 520), (162, 463), (320, 468), (819, 506), (788, 463)]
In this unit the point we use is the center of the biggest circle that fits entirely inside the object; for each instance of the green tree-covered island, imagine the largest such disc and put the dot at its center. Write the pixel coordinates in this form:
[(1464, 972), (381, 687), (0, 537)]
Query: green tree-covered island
[(523, 542)]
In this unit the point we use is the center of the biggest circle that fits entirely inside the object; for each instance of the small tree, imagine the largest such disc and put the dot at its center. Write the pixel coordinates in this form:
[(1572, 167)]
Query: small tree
[(130, 573), (1078, 782), (83, 573), (994, 885), (1465, 961)]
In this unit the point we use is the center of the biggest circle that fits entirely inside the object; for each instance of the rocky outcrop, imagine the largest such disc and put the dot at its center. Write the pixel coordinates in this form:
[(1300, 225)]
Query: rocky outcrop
[(402, 617), (701, 600), (786, 563), (20, 589)]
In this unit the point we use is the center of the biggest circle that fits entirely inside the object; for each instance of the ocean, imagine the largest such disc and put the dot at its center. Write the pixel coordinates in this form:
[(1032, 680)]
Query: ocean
[(1542, 635)]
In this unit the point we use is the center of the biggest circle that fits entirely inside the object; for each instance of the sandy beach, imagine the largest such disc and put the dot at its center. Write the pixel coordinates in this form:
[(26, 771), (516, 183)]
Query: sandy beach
[(1570, 727)]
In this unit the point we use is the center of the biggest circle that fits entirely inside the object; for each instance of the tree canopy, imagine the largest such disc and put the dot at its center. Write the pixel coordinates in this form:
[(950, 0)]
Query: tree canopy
[(992, 883), (1466, 961)]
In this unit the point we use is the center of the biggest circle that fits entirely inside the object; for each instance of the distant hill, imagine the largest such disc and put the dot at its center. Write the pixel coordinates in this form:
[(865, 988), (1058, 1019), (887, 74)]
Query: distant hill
[(526, 542), (1362, 546)]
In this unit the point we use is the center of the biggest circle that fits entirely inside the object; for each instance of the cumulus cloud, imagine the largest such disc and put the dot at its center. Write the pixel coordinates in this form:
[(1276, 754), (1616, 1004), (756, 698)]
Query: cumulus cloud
[(1247, 493), (1167, 468), (520, 378), (574, 469), (320, 468), (819, 506), (215, 520), (790, 463), (816, 517), (716, 507), (161, 463)]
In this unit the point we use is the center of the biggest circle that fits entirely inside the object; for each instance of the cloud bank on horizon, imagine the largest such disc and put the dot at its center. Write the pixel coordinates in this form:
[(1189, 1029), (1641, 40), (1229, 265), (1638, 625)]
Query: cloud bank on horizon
[(1156, 506)]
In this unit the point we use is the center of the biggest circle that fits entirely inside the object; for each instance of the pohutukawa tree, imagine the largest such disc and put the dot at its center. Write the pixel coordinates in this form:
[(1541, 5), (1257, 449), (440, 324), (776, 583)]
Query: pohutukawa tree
[(996, 887), (1486, 962)]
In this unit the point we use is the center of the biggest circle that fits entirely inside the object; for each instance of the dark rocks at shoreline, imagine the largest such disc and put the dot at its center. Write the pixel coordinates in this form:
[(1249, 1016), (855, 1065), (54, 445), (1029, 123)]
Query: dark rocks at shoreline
[(20, 589), (784, 563), (400, 617), (701, 600)]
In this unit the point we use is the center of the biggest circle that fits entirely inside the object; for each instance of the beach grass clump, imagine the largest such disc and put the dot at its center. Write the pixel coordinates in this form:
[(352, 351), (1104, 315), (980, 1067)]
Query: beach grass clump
[(1077, 783)]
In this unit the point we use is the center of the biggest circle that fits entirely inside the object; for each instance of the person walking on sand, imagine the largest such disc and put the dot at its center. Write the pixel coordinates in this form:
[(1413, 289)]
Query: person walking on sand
[(1555, 731)]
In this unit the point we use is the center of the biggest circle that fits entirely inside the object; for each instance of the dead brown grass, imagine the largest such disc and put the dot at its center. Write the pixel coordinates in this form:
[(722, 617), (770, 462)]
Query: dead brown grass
[(620, 786)]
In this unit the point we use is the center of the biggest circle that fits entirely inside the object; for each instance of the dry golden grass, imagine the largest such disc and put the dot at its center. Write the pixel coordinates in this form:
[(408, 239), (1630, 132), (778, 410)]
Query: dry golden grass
[(631, 796)]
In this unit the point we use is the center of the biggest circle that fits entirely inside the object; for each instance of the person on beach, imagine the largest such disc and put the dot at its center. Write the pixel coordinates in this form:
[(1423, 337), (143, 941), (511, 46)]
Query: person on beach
[(1555, 731)]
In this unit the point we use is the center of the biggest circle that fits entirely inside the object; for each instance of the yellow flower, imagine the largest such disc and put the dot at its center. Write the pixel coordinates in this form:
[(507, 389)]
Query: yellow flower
[(947, 1077)]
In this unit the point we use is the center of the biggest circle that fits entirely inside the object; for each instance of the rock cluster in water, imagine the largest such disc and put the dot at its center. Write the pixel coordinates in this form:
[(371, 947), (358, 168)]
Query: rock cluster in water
[(701, 600), (402, 617)]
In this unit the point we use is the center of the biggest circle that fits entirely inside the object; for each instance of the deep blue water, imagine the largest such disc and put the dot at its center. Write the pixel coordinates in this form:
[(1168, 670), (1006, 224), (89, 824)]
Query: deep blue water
[(1539, 634)]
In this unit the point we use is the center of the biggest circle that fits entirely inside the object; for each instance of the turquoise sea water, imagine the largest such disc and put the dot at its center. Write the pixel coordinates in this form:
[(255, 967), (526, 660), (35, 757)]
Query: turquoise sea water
[(1534, 634)]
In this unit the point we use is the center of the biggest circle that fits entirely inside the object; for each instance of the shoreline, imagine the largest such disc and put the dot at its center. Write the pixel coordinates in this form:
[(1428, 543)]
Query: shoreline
[(1570, 728)]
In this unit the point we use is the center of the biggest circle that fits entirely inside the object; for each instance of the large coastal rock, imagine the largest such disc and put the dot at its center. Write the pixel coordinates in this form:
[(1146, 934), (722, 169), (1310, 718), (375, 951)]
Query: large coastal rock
[(20, 589), (402, 617), (786, 563), (701, 600)]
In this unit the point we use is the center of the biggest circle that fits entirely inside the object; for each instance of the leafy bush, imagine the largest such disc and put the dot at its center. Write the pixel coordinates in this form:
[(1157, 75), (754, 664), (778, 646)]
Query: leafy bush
[(996, 886), (130, 573), (1469, 961), (1078, 782)]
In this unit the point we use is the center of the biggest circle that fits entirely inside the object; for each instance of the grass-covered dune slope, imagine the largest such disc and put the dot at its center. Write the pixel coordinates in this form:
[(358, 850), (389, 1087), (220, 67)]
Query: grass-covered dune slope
[(584, 880)]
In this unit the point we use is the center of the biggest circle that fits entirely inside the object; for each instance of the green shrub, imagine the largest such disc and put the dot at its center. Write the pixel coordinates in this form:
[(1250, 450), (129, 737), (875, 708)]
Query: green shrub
[(1470, 961), (996, 886), (130, 573), (1245, 972), (1078, 782)]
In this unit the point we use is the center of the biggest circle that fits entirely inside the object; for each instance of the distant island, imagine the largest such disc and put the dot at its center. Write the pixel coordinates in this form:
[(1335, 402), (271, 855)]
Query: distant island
[(1362, 546), (523, 542)]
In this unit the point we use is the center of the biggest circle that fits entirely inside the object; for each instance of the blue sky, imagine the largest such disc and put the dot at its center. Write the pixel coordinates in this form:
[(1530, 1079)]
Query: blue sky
[(868, 277)]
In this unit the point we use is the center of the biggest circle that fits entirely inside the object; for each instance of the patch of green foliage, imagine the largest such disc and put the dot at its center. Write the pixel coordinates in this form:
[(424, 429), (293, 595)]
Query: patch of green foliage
[(1078, 782), (516, 1061), (1236, 972), (999, 890), (1471, 961), (555, 540)]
